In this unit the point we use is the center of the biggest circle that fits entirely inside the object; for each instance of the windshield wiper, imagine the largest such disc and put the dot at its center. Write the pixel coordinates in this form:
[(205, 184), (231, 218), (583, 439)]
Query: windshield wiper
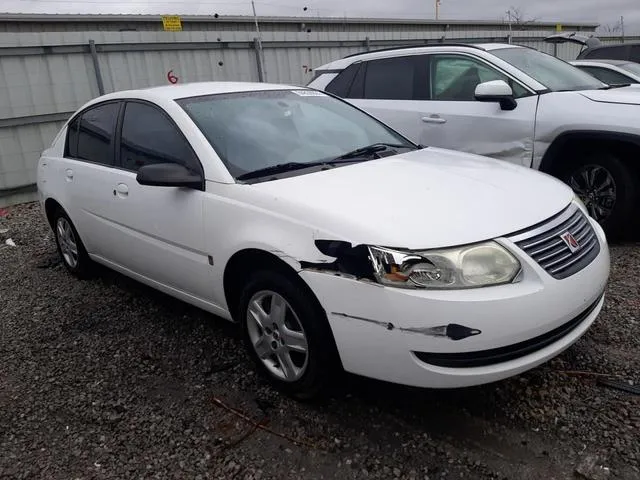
[(368, 150), (346, 158), (275, 169)]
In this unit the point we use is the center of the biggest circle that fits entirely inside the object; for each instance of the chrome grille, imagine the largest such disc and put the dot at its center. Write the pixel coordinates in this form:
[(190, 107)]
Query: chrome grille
[(544, 243)]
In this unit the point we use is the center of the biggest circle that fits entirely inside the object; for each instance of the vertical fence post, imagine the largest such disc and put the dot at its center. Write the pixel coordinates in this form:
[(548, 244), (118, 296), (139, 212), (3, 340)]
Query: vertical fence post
[(256, 47), (367, 44), (96, 66)]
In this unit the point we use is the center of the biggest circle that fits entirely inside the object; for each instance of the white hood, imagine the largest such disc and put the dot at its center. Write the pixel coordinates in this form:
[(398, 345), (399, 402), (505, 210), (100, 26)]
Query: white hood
[(424, 199), (627, 95)]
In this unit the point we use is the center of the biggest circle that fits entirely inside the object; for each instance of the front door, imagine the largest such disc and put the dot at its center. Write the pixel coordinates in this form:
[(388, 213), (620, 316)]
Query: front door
[(161, 234), (452, 118)]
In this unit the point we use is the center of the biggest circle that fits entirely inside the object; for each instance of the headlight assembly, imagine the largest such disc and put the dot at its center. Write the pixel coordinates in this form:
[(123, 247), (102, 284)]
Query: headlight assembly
[(471, 266)]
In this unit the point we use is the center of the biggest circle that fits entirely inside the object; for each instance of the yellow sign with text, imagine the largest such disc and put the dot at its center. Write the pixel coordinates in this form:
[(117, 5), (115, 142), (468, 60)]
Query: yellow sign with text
[(171, 23)]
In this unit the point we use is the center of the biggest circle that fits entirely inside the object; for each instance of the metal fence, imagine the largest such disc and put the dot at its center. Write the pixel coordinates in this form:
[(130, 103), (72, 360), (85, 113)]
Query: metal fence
[(45, 77)]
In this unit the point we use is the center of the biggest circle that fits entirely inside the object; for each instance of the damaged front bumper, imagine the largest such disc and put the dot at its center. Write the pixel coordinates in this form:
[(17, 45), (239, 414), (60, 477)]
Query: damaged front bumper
[(449, 339)]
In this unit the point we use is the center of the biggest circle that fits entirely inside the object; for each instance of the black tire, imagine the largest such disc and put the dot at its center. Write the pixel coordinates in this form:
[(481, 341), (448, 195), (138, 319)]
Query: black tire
[(322, 361), (83, 267), (621, 220)]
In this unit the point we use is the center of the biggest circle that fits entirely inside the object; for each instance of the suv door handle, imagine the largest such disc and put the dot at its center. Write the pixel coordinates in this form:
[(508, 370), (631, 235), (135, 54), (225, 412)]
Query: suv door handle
[(121, 190), (434, 119)]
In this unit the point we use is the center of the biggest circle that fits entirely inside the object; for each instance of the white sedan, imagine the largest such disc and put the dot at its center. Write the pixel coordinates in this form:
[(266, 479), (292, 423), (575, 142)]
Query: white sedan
[(332, 240)]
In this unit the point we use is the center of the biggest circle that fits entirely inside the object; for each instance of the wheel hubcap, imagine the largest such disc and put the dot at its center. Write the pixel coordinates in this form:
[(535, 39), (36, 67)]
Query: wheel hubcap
[(596, 188), (277, 336), (67, 242)]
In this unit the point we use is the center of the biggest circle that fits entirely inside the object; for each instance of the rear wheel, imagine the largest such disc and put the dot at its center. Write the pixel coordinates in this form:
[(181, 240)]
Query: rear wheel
[(287, 334), (609, 190), (70, 247)]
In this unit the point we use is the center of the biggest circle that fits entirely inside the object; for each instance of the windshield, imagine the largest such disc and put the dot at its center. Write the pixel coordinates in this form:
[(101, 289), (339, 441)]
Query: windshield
[(553, 73), (251, 131), (631, 67)]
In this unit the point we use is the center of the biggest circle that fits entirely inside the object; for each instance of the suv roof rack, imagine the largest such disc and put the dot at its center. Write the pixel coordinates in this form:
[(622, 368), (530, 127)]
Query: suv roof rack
[(403, 47)]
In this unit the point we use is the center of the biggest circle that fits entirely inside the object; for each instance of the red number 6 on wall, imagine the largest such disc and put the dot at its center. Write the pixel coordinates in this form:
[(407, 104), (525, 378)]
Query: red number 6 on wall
[(171, 77)]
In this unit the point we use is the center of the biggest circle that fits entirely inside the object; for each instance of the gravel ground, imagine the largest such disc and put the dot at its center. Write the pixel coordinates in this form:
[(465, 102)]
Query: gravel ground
[(109, 379)]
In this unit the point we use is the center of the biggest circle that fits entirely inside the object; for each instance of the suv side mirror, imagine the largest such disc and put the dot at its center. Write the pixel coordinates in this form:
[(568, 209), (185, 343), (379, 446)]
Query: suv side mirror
[(169, 175), (496, 91)]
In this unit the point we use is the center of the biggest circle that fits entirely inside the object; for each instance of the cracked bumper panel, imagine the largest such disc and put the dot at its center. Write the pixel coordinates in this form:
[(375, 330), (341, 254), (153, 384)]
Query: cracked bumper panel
[(377, 328)]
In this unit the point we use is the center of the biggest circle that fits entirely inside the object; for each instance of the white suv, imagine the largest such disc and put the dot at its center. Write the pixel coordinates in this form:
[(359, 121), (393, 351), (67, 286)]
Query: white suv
[(511, 103)]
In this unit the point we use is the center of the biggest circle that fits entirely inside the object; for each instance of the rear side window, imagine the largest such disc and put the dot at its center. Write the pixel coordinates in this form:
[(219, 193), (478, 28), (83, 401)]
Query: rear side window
[(390, 78), (619, 52), (71, 147), (149, 136), (90, 136), (342, 83)]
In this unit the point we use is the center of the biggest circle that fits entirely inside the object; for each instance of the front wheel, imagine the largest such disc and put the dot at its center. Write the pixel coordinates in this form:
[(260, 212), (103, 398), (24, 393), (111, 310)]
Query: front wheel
[(608, 188), (287, 334)]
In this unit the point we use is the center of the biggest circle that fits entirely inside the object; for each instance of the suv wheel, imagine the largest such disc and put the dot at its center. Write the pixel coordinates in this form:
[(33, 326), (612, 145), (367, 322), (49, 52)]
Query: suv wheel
[(608, 189), (287, 334)]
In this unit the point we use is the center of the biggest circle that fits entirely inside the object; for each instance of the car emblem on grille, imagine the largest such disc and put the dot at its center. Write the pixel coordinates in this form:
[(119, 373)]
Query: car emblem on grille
[(570, 241)]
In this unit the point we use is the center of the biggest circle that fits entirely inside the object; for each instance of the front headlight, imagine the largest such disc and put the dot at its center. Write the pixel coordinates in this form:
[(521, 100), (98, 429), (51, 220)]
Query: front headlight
[(471, 266)]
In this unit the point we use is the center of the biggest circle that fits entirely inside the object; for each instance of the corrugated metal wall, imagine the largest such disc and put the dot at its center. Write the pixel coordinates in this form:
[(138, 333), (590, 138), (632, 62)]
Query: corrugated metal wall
[(46, 76)]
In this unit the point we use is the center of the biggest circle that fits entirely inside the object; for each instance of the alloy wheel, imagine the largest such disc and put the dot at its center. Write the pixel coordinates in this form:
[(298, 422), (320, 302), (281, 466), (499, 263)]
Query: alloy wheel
[(596, 188), (67, 242), (277, 336)]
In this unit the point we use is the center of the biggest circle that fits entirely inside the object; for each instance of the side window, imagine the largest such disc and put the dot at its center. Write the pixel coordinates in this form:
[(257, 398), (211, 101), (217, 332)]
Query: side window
[(635, 54), (340, 85), (95, 134), (605, 75), (357, 86), (71, 146), (619, 52), (390, 78), (455, 78), (148, 136)]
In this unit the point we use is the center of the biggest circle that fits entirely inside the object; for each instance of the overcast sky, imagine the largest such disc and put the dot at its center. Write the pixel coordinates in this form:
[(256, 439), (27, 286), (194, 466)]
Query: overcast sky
[(605, 12)]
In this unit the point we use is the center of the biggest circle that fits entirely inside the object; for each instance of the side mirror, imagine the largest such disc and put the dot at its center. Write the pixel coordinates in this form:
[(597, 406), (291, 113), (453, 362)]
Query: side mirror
[(496, 91), (169, 175)]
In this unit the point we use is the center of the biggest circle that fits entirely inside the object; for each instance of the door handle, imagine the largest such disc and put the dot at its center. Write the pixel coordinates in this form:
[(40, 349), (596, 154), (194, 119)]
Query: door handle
[(434, 119), (69, 174), (121, 190)]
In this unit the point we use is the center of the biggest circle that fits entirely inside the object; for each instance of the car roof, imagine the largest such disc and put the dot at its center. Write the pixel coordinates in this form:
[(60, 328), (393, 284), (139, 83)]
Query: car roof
[(344, 62), (194, 89)]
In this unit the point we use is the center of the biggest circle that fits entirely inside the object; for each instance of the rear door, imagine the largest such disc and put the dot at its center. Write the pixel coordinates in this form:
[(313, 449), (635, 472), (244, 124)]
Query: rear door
[(388, 88), (88, 171)]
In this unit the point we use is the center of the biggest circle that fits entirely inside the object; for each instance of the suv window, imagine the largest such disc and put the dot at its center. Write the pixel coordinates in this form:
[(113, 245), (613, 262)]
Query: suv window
[(149, 136), (605, 75), (619, 52), (90, 136), (391, 78), (342, 83), (455, 78), (635, 54)]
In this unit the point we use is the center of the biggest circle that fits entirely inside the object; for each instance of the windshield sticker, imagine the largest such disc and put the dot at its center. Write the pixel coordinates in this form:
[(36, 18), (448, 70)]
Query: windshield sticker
[(308, 93)]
